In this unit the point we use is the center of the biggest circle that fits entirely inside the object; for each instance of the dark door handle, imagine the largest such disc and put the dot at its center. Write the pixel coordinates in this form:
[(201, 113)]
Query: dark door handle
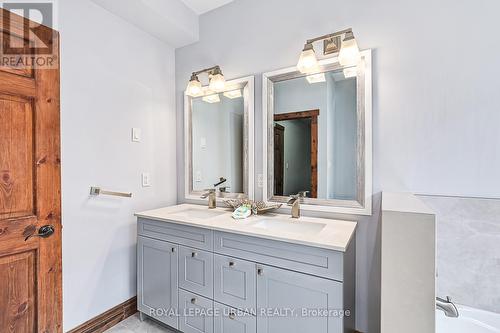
[(44, 232)]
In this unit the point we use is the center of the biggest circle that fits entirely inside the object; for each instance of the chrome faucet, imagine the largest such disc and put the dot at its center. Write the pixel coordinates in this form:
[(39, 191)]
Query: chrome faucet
[(447, 306), (212, 201), (294, 201)]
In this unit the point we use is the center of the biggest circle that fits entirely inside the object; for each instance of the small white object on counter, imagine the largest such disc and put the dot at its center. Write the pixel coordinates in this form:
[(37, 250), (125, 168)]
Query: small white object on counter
[(242, 212), (316, 232)]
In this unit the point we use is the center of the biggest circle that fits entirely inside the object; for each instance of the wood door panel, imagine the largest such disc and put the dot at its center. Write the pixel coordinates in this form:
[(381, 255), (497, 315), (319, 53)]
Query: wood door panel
[(30, 191), (9, 39), (16, 160), (17, 292)]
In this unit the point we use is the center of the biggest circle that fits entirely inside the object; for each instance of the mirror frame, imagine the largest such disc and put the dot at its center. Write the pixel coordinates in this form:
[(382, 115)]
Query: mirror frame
[(363, 203), (247, 85)]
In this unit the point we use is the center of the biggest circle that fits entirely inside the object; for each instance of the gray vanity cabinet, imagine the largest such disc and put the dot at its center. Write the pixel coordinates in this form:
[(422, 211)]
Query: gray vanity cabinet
[(157, 279), (196, 313), (297, 296), (196, 271), (234, 282), (223, 282), (230, 320)]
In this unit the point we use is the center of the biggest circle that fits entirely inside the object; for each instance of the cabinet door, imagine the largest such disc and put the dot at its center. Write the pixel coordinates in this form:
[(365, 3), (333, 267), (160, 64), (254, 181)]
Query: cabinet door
[(196, 271), (234, 282), (157, 284), (230, 320), (196, 313), (288, 302)]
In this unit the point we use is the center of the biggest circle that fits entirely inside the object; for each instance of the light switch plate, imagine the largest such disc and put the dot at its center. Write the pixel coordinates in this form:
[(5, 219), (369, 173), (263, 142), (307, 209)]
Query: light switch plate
[(198, 176), (136, 134), (146, 179), (203, 143)]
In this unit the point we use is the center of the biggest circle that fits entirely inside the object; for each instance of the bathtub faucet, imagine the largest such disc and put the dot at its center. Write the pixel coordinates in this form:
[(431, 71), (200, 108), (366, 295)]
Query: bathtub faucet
[(447, 306)]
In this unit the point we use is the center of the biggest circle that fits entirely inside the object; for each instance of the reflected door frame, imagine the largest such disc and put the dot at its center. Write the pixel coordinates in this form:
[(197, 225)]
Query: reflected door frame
[(313, 115)]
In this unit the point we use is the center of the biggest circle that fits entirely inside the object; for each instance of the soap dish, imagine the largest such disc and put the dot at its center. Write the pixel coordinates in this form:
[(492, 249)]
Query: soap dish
[(236, 203), (261, 207)]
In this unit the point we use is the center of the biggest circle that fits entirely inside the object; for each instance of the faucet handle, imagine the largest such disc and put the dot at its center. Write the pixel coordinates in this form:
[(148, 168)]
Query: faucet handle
[(302, 194), (207, 193)]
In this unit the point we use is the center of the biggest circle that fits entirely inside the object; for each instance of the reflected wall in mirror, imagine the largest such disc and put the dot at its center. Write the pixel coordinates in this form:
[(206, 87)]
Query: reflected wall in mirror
[(219, 141), (318, 136)]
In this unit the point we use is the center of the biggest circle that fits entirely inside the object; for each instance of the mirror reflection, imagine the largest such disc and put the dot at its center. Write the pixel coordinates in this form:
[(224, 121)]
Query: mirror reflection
[(217, 141), (315, 135)]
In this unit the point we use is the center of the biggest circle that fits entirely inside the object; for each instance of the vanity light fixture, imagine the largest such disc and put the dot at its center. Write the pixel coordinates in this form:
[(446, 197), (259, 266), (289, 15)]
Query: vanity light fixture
[(211, 98), (217, 82), (316, 78), (233, 94), (346, 47), (308, 63), (194, 88)]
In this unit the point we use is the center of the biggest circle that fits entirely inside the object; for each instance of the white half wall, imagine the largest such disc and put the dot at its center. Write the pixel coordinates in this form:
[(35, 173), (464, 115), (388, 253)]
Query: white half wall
[(113, 77)]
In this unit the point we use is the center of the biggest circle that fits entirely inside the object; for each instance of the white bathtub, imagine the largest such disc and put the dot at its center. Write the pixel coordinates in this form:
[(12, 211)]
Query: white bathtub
[(470, 321)]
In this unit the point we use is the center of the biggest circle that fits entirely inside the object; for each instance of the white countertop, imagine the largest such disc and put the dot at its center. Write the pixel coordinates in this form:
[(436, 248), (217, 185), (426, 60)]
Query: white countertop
[(334, 235)]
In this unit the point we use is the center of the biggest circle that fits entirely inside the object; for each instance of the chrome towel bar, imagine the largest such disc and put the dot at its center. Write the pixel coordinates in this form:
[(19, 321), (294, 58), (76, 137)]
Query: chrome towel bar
[(95, 191)]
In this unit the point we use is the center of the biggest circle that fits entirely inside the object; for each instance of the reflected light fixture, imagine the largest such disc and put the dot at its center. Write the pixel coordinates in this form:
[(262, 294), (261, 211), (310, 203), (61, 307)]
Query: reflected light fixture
[(341, 42), (350, 72), (316, 78), (233, 94), (211, 98), (216, 83)]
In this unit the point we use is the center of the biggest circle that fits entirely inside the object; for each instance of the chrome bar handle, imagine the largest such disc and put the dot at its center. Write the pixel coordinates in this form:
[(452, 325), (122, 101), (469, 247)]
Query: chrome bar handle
[(95, 191)]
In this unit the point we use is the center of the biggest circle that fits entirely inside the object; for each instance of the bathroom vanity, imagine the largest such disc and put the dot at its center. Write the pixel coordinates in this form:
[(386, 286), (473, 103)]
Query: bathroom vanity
[(199, 270)]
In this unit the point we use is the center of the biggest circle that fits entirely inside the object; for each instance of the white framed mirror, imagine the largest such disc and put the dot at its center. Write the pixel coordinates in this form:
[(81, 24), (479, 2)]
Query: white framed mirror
[(219, 141), (317, 136)]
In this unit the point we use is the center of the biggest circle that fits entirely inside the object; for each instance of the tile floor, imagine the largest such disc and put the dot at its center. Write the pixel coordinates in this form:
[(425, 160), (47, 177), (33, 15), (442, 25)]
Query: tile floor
[(134, 325)]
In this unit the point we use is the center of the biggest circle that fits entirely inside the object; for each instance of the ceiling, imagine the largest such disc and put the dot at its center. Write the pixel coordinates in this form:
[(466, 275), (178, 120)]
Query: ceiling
[(176, 22), (203, 6)]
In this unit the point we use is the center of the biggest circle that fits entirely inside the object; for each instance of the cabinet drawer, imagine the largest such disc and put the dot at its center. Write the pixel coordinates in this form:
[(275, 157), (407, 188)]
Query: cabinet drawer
[(230, 320), (196, 271), (235, 282), (196, 313), (181, 234), (306, 259)]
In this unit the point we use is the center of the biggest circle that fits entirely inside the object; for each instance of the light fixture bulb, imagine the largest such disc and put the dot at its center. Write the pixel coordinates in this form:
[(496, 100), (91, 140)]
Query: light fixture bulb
[(308, 63), (349, 54), (217, 81), (194, 88)]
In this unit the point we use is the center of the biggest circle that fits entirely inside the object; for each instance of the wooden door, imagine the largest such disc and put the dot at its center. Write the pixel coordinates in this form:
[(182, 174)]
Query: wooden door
[(30, 191), (313, 115), (279, 156)]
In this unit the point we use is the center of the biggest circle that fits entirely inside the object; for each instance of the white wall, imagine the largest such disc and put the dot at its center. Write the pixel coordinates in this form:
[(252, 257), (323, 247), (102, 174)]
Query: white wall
[(435, 98), (113, 77)]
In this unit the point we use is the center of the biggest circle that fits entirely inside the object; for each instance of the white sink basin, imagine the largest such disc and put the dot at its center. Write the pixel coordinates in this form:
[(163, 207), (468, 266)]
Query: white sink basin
[(298, 227), (197, 213)]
